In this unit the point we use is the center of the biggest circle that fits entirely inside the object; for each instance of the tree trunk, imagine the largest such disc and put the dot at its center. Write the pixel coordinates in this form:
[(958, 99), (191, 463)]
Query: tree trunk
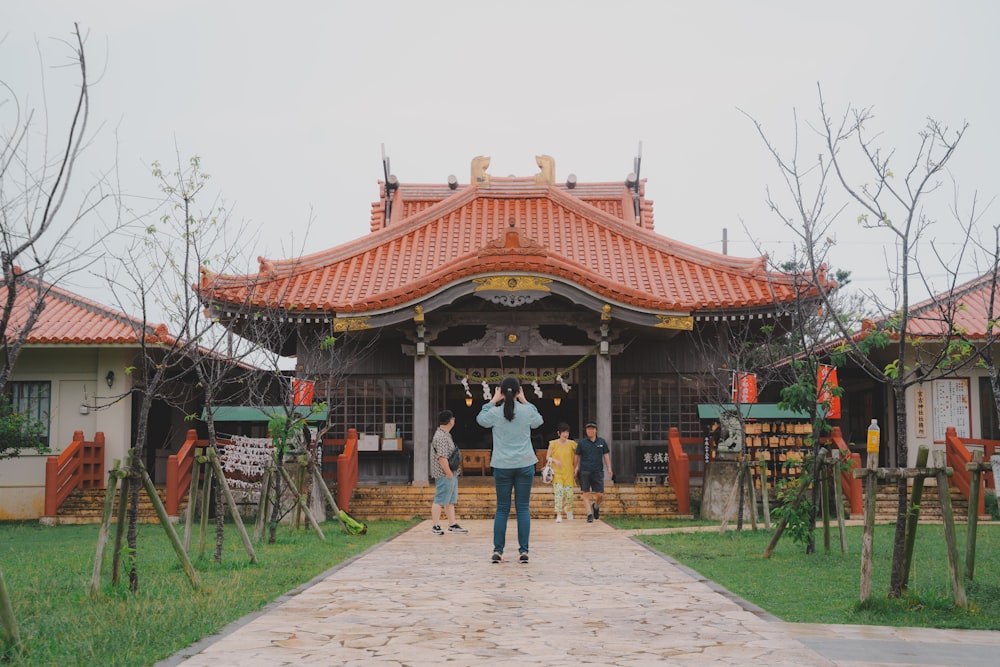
[(902, 497)]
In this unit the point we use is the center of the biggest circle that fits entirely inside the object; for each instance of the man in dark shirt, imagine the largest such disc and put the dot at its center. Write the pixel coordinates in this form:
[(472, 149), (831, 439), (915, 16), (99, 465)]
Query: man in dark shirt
[(592, 456)]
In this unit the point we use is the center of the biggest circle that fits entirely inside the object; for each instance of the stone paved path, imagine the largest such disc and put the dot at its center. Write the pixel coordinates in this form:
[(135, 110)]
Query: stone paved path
[(590, 596)]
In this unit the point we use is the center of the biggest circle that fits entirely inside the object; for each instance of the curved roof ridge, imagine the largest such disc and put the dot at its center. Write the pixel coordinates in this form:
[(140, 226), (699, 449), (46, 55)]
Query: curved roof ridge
[(339, 253), (679, 248)]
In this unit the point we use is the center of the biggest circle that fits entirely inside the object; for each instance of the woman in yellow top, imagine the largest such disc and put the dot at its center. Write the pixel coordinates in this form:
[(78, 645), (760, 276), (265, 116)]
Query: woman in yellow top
[(561, 453)]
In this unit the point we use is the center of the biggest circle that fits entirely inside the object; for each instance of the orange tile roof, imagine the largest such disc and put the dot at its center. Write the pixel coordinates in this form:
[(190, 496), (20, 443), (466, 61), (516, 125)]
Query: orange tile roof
[(436, 236), (70, 319), (969, 307)]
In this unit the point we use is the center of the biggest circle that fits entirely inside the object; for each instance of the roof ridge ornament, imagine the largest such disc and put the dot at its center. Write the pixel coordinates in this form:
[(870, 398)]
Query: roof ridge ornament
[(479, 177), (513, 242), (547, 164)]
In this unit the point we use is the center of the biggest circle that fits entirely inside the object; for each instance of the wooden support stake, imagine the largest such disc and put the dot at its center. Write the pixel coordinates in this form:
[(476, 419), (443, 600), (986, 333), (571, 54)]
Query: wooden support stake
[(839, 501), (868, 536), (302, 503), (105, 530), (765, 495), (954, 564), (116, 554), (192, 498), (748, 476), (234, 511), (263, 503), (168, 528), (7, 614), (206, 501), (972, 525), (824, 495), (328, 496), (913, 515)]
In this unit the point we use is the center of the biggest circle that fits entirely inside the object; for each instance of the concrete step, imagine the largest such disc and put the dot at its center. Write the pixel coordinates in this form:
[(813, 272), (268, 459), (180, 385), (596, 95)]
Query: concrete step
[(886, 504), (477, 500), (87, 506)]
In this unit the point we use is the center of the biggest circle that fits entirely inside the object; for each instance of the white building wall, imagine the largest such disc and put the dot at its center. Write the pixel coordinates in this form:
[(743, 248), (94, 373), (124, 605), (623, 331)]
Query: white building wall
[(78, 377)]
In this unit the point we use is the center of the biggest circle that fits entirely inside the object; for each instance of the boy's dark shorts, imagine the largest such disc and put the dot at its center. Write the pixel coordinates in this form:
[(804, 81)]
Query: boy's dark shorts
[(592, 482)]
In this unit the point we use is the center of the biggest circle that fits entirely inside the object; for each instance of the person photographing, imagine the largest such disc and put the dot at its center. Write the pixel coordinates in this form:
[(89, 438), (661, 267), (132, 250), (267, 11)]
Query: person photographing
[(511, 418)]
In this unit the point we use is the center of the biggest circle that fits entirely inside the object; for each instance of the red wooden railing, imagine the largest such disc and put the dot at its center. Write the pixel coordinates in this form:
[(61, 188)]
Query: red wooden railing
[(79, 466), (347, 470), (851, 486), (679, 471), (179, 467), (958, 454)]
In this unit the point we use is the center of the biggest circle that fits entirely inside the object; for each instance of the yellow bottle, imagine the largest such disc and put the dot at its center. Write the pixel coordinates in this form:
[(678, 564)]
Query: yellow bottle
[(873, 437)]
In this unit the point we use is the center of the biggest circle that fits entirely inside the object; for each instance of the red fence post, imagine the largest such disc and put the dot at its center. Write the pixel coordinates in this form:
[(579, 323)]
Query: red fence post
[(679, 471)]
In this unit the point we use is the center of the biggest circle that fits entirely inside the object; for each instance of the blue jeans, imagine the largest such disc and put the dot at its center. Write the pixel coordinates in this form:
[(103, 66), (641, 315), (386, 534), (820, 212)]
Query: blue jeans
[(519, 480)]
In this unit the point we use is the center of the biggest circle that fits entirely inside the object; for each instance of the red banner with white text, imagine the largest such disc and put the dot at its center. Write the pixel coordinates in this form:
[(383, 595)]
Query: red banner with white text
[(744, 388), (303, 391), (826, 381)]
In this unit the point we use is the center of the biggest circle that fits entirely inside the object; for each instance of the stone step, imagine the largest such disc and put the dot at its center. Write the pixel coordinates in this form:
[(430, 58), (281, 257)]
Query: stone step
[(930, 506), (87, 506), (477, 500)]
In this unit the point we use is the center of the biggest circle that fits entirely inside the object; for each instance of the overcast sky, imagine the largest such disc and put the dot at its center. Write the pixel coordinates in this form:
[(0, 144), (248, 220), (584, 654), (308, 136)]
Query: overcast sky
[(288, 103)]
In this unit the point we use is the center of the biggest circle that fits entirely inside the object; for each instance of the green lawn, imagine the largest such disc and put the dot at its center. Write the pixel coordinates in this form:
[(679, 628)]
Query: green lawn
[(48, 572), (824, 587)]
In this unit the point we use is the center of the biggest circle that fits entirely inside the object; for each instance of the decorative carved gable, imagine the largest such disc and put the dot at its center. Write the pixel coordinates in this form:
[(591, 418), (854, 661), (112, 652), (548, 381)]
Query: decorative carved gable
[(513, 242)]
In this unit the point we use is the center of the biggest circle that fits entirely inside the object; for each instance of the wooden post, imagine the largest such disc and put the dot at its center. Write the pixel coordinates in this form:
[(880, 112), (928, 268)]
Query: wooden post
[(954, 565), (765, 494), (975, 470), (297, 488), (868, 536), (7, 614), (168, 527), (781, 524), (302, 503), (196, 469), (748, 474), (105, 530), (839, 501), (234, 511), (824, 495), (913, 515), (116, 553), (206, 501), (263, 504), (328, 496)]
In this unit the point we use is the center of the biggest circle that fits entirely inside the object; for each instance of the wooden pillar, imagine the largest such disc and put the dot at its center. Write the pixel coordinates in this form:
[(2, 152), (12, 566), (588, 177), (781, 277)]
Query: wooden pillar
[(603, 417), (421, 420)]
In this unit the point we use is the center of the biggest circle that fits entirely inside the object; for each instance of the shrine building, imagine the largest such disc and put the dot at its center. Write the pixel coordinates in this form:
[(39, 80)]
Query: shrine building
[(565, 284)]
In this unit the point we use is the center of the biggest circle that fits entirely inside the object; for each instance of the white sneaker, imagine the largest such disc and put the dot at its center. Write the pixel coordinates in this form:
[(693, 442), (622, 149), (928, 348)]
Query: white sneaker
[(569, 516), (558, 518)]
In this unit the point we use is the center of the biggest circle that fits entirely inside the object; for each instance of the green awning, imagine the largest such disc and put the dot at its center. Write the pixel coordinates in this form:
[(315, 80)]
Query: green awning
[(247, 413), (750, 411)]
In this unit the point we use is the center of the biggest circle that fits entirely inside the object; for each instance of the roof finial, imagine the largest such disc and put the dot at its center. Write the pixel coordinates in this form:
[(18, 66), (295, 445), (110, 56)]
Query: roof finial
[(479, 176)]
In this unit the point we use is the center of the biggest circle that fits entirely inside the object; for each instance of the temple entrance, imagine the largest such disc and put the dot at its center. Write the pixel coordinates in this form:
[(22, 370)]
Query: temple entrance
[(469, 435)]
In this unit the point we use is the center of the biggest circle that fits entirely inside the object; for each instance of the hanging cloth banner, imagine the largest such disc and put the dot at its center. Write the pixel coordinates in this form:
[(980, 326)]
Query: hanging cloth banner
[(826, 381), (303, 391), (744, 388)]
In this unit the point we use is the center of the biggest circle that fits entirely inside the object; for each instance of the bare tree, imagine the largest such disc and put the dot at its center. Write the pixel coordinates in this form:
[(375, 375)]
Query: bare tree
[(41, 236), (895, 206)]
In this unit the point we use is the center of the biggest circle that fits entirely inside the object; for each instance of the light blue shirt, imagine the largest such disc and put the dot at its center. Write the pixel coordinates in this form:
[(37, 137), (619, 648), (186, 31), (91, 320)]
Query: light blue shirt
[(511, 439)]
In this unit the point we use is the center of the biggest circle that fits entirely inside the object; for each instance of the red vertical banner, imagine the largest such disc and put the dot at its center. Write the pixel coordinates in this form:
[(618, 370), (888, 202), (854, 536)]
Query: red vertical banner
[(826, 381), (303, 391), (744, 388)]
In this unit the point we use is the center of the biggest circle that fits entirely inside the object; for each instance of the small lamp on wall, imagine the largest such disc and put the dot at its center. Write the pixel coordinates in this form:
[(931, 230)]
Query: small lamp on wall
[(468, 401), (557, 401), (110, 378)]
